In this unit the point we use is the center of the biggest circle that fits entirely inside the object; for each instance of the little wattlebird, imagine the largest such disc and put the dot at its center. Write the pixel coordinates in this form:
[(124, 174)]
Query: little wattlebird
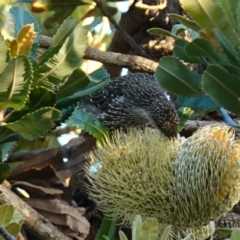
[(133, 100)]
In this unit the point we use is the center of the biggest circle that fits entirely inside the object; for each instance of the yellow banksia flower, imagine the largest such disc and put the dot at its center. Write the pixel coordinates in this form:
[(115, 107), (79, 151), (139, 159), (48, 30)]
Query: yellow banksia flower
[(206, 172), (131, 174)]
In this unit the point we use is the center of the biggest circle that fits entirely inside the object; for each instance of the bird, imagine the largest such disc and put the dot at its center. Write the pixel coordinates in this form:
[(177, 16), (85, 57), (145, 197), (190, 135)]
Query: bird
[(133, 100)]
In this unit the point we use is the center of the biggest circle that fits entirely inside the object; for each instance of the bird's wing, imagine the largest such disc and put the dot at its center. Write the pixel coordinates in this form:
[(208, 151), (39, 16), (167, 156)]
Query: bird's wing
[(106, 96)]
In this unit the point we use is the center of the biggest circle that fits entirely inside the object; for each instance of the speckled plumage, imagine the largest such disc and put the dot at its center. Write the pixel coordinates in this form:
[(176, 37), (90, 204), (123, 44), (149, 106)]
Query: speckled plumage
[(133, 100)]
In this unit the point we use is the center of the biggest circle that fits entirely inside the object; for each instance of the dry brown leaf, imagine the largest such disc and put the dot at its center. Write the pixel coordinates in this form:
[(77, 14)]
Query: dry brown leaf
[(31, 188), (60, 213)]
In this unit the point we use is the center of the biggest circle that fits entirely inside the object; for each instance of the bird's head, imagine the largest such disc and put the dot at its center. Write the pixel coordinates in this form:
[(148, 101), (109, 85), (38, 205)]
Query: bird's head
[(165, 117)]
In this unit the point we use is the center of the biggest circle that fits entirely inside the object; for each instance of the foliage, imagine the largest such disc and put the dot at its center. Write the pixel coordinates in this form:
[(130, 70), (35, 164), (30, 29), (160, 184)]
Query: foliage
[(35, 93), (10, 219), (214, 47)]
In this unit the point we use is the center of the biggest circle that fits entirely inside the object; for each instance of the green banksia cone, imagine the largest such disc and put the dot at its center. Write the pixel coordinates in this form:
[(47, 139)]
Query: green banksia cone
[(206, 172), (131, 175)]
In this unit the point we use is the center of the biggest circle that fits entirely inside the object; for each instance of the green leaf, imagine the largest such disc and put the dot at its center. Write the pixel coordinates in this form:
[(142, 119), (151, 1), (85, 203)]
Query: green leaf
[(40, 97), (179, 51), (184, 115), (188, 23), (89, 89), (62, 63), (89, 123), (223, 87), (65, 30), (15, 83), (227, 47), (175, 77), (201, 47), (4, 172), (3, 54), (5, 148), (6, 213), (200, 105), (21, 18), (161, 32), (35, 124), (227, 6), (235, 234), (209, 14), (223, 231), (76, 81), (13, 229), (17, 218), (178, 28), (106, 229)]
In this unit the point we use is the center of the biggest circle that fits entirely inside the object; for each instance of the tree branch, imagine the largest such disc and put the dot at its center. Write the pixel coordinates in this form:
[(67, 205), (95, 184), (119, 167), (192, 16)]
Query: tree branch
[(34, 222), (133, 62)]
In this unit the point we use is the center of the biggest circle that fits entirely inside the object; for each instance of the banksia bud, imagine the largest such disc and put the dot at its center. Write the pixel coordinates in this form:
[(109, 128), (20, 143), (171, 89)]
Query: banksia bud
[(206, 172), (131, 174)]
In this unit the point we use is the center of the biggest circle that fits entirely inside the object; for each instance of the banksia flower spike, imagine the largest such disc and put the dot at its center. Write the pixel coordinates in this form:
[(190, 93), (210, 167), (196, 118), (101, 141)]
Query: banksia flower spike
[(206, 172), (131, 174)]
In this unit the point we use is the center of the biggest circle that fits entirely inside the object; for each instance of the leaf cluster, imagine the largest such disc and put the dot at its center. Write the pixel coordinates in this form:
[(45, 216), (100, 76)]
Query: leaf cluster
[(37, 94), (215, 46)]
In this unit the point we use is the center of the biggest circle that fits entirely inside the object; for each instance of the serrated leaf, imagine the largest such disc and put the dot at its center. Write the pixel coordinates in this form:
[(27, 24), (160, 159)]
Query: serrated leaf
[(21, 18), (15, 83), (6, 213), (89, 123), (3, 54), (161, 32), (65, 30), (64, 62), (188, 23), (209, 14), (149, 230), (13, 45), (25, 39), (76, 81), (227, 6), (175, 77), (13, 229), (35, 124), (179, 51), (4, 172), (89, 89), (201, 47), (223, 87), (227, 47), (5, 148), (39, 97)]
